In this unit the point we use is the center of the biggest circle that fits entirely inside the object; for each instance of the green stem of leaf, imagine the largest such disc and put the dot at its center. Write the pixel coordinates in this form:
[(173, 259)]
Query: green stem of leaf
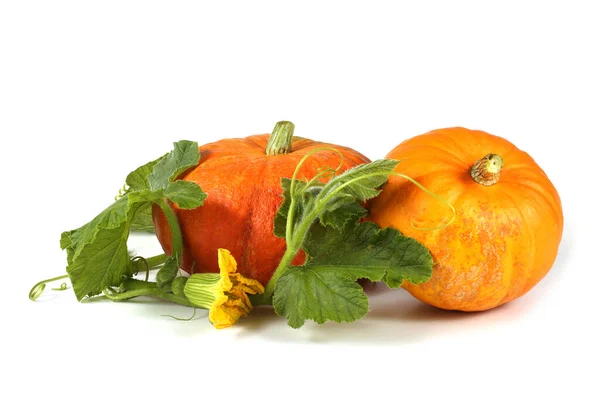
[(156, 261), (294, 237), (293, 246), (176, 239), (323, 201), (135, 288), (267, 296), (289, 228)]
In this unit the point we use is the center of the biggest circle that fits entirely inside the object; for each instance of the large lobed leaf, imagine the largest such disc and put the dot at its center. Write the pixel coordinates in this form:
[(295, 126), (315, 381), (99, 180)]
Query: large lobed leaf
[(97, 255), (138, 180), (340, 250), (325, 287), (360, 183), (184, 155)]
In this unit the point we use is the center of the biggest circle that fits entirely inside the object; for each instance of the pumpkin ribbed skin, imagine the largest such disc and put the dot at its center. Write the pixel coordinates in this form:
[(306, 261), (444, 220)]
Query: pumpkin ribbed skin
[(504, 238), (244, 192)]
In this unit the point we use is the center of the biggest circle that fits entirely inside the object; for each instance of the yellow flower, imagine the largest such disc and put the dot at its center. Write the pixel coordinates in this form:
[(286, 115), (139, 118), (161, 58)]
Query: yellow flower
[(225, 294)]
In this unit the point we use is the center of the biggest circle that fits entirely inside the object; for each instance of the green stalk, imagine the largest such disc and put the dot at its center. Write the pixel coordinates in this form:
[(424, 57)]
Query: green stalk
[(289, 226), (36, 291), (293, 238), (281, 139), (290, 252), (156, 261), (136, 288), (176, 239)]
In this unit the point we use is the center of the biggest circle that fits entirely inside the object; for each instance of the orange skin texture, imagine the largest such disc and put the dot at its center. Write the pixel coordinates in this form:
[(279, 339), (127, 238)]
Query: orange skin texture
[(504, 238), (244, 193)]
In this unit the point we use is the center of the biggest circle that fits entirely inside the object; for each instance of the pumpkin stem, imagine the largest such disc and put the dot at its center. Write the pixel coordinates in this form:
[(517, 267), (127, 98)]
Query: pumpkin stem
[(486, 171), (281, 139)]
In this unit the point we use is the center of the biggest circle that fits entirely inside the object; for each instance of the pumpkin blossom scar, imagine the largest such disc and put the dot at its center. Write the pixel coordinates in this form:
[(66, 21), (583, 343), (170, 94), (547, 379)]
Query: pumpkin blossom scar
[(225, 294)]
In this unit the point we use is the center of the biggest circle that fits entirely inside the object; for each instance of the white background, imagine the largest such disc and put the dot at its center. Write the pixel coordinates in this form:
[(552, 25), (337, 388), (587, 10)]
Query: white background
[(91, 90)]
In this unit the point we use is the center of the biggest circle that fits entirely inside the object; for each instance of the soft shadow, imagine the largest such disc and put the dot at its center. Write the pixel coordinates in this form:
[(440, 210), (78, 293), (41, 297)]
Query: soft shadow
[(398, 304), (259, 316), (49, 295), (395, 318), (162, 311), (398, 318)]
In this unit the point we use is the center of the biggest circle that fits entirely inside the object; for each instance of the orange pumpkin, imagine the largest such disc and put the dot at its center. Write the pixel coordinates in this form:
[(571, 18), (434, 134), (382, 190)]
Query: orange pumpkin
[(242, 178), (508, 221)]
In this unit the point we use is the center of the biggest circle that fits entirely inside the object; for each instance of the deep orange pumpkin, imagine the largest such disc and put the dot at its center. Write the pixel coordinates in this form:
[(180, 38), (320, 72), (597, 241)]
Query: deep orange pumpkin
[(243, 184), (508, 223)]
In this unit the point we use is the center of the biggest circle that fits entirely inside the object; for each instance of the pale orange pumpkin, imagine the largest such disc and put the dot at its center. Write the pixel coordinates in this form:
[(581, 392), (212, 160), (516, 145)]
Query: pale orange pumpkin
[(508, 222)]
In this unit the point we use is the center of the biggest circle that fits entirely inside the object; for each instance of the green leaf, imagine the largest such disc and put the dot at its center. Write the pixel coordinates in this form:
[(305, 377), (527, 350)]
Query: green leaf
[(101, 263), (65, 240), (109, 218), (142, 220), (185, 194), (305, 195), (167, 273), (343, 215), (282, 212), (178, 285), (303, 293), (337, 203), (138, 179), (145, 196), (360, 183), (135, 181), (66, 243), (322, 220), (325, 287), (97, 255), (184, 156), (369, 252)]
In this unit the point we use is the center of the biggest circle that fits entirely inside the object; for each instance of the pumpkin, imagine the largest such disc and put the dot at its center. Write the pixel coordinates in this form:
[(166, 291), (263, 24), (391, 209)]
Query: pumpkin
[(242, 178), (507, 224)]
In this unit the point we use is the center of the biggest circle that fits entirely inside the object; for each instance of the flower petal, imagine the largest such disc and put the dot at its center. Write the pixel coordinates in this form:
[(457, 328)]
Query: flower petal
[(231, 293), (247, 285)]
